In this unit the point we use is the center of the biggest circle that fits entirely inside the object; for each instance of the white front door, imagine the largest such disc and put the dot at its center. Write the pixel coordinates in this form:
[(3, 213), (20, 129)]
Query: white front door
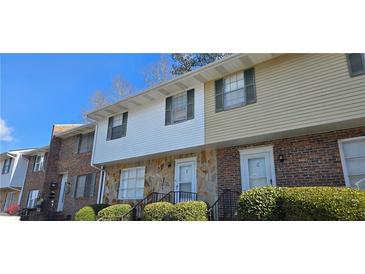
[(257, 168), (61, 200), (185, 179)]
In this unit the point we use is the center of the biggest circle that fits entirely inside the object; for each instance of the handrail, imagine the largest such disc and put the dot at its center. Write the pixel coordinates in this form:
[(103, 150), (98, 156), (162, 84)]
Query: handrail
[(179, 196), (225, 207), (136, 211)]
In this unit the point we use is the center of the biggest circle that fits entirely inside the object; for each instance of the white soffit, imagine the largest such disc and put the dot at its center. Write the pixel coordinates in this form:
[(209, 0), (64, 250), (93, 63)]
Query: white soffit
[(212, 71)]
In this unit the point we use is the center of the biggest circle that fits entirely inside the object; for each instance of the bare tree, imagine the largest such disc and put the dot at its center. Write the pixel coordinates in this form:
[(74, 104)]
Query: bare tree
[(158, 72), (122, 88), (99, 100)]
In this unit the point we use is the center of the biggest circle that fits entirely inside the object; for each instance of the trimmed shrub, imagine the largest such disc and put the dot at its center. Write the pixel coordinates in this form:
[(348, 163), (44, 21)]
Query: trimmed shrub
[(114, 212), (157, 211), (189, 211), (302, 204), (323, 204), (89, 213), (259, 204)]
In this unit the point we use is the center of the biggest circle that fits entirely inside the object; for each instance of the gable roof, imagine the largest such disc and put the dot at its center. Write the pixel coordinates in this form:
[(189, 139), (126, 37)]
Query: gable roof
[(212, 71)]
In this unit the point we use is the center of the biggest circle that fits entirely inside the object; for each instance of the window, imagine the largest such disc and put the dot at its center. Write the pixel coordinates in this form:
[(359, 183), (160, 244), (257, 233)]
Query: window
[(85, 142), (32, 198), (235, 90), (356, 63), (117, 126), (131, 183), (85, 186), (353, 161), (38, 163), (179, 107), (7, 165)]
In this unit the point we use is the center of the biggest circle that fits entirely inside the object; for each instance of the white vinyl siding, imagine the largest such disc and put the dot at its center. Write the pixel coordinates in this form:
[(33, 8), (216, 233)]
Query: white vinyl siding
[(32, 198), (147, 132), (294, 91), (131, 183), (353, 161)]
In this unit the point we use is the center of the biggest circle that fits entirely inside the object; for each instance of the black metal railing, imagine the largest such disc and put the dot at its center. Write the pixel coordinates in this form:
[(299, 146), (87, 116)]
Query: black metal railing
[(136, 213), (30, 214), (175, 197), (225, 208)]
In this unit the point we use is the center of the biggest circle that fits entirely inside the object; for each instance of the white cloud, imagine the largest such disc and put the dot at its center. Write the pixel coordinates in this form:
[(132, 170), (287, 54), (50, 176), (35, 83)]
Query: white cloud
[(5, 132)]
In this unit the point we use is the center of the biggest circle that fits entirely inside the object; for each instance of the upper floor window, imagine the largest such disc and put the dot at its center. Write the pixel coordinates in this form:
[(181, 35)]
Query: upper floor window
[(85, 186), (7, 165), (356, 62), (235, 90), (85, 142), (179, 107), (32, 198), (38, 163), (117, 126), (131, 183)]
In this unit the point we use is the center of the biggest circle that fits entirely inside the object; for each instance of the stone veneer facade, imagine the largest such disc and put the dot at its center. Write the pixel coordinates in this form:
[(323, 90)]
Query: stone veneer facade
[(310, 160), (159, 176)]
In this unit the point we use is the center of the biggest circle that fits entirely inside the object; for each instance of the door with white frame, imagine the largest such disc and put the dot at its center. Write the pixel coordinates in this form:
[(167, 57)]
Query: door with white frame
[(257, 167), (185, 179), (61, 200)]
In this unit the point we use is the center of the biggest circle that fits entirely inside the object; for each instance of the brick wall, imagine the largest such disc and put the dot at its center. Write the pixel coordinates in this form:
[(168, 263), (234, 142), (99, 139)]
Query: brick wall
[(63, 158), (310, 160), (33, 180)]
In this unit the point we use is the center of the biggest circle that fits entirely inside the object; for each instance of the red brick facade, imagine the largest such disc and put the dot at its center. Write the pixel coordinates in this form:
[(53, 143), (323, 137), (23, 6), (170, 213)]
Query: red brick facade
[(63, 158), (34, 180), (310, 160)]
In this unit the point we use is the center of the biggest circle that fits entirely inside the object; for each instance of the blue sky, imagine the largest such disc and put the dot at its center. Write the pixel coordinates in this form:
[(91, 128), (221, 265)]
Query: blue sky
[(39, 90)]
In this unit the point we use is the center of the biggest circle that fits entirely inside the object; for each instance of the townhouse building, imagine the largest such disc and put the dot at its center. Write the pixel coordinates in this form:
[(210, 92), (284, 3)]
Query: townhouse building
[(13, 167), (245, 121)]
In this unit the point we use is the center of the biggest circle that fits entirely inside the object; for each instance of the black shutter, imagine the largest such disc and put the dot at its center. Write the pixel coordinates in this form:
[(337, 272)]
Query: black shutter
[(74, 186), (219, 106), (110, 127), (78, 143), (34, 161), (168, 111), (190, 95), (250, 86), (87, 185), (124, 124), (356, 63)]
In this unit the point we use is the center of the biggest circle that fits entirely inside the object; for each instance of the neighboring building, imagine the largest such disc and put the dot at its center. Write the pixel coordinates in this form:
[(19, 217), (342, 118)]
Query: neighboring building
[(245, 121), (13, 168), (35, 175), (68, 168)]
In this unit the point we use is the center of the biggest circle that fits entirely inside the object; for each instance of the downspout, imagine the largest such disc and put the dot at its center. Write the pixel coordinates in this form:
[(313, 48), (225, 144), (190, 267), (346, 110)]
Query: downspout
[(99, 198)]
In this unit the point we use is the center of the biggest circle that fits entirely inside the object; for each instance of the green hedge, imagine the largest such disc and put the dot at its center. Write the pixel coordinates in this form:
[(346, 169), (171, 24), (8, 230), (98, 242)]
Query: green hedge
[(189, 211), (302, 204), (114, 212), (323, 204), (259, 204), (89, 213), (157, 211)]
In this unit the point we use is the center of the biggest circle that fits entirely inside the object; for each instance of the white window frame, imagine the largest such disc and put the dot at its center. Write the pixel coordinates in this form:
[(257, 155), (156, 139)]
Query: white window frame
[(225, 92), (7, 165), (173, 120), (257, 150), (121, 188), (32, 198), (343, 160), (38, 165)]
